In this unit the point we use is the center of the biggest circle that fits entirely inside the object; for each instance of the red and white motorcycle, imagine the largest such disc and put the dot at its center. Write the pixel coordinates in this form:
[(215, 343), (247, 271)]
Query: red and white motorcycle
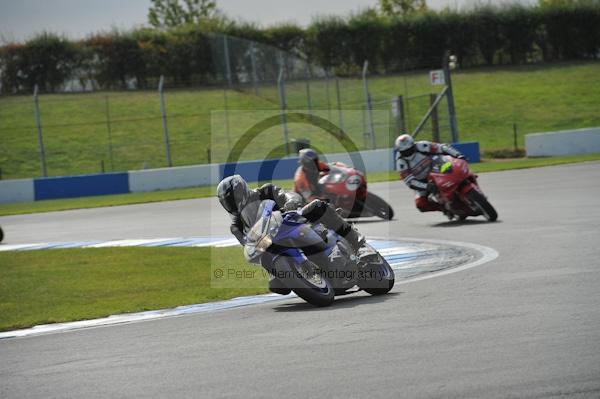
[(346, 188), (456, 189)]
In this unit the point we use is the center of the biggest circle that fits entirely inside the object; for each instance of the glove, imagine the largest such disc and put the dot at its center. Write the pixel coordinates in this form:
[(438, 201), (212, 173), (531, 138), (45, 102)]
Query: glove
[(291, 205), (431, 188)]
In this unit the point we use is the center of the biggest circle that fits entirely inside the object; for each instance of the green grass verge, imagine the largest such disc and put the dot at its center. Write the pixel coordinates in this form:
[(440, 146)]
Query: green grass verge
[(38, 287), (78, 136), (201, 192)]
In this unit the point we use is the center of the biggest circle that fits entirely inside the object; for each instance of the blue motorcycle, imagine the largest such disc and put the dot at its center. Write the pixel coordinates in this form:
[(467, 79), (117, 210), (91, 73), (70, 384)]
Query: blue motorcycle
[(314, 262)]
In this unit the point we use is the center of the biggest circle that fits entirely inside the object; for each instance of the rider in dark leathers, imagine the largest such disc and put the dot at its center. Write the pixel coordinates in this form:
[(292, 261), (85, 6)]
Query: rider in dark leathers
[(234, 195)]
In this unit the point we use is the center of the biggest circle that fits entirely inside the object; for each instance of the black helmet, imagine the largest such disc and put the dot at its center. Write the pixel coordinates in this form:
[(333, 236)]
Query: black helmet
[(233, 193), (308, 157)]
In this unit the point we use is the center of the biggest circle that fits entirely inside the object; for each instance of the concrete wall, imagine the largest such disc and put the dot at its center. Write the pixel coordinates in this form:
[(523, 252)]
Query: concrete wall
[(566, 142), (16, 191), (168, 178)]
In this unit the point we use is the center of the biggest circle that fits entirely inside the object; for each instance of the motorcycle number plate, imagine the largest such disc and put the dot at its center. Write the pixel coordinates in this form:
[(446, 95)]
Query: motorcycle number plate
[(353, 183)]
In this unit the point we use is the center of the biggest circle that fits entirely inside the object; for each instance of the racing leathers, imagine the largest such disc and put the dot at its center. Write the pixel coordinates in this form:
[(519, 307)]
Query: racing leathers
[(316, 211), (415, 169), (306, 181)]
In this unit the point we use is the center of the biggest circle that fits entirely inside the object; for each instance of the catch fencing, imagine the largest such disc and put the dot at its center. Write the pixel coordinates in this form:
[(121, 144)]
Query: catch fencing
[(81, 132)]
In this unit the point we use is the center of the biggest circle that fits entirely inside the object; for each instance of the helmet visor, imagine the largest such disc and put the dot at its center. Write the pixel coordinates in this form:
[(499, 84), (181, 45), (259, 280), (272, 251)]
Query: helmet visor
[(408, 152)]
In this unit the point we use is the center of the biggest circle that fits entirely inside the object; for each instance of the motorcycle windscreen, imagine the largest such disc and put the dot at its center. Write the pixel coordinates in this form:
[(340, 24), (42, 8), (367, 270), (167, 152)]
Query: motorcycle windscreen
[(441, 164), (259, 237), (250, 213), (335, 175)]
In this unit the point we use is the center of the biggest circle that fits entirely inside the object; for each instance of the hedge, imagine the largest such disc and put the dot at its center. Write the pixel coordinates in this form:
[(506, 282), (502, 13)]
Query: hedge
[(485, 35)]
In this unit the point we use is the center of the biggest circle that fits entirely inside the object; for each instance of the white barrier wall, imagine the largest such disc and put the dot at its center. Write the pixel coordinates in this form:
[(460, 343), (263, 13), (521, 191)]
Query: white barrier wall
[(205, 175), (566, 142), (374, 160), (16, 191), (168, 178)]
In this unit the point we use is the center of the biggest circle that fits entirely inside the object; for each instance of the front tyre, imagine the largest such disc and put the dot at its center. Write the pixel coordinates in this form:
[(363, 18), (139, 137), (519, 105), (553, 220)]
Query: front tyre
[(306, 280), (378, 207), (482, 204), (377, 276)]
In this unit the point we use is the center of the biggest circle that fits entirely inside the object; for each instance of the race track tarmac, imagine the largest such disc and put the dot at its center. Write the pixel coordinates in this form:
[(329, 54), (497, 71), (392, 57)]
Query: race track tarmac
[(526, 325)]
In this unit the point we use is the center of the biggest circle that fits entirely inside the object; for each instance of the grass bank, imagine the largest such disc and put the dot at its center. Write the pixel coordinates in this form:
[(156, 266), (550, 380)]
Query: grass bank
[(50, 286), (84, 133)]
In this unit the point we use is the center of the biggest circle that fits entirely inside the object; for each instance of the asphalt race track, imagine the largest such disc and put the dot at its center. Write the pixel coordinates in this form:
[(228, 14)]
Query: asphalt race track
[(526, 325)]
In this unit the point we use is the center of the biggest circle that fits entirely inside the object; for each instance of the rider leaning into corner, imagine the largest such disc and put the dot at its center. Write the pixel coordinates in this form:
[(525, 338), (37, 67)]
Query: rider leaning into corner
[(306, 179), (242, 205), (415, 162)]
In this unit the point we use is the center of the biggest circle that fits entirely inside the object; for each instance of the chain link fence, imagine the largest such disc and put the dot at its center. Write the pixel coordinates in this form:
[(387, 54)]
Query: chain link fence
[(90, 132)]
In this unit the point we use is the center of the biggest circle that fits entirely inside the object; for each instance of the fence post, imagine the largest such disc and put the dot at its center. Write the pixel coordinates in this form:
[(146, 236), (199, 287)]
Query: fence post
[(339, 103), (227, 63), (38, 123), (163, 111), (226, 106), (450, 96), (368, 105), (327, 96), (435, 125), (398, 114), (253, 64), (307, 81), (109, 129), (282, 107)]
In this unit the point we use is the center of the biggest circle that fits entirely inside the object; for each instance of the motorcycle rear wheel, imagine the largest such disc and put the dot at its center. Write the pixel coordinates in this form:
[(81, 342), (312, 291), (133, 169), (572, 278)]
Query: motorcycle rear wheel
[(304, 279), (481, 203), (378, 207)]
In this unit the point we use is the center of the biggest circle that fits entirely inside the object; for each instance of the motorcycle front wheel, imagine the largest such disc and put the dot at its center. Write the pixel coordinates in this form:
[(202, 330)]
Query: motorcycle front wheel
[(377, 276), (306, 280), (482, 204)]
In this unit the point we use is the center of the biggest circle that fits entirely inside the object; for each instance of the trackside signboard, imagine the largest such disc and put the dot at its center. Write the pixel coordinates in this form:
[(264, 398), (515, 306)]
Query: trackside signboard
[(437, 77)]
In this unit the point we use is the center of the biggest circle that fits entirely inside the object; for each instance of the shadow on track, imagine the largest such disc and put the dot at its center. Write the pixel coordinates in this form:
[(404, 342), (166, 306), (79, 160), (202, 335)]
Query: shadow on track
[(341, 302), (466, 222), (367, 221)]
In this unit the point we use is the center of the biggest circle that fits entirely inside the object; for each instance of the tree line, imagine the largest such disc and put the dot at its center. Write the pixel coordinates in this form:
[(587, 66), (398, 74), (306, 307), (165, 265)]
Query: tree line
[(485, 35)]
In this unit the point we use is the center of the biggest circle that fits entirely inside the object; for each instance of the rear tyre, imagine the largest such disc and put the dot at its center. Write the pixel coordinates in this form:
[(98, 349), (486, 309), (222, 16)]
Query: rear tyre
[(1, 235), (305, 280), (378, 276), (483, 205), (378, 207)]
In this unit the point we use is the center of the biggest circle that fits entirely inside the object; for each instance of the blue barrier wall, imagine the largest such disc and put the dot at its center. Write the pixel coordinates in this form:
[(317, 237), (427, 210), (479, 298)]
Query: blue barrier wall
[(81, 186), (469, 149)]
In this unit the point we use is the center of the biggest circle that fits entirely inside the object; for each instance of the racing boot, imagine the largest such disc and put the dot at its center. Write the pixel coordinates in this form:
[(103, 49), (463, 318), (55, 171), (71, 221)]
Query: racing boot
[(320, 212), (449, 214), (355, 239)]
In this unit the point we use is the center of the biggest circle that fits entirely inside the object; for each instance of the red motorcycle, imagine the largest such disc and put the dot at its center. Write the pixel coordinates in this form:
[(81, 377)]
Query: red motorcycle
[(346, 188), (457, 190)]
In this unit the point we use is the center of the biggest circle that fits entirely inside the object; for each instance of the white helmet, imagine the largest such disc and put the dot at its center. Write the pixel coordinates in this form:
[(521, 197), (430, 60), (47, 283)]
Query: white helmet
[(405, 145)]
